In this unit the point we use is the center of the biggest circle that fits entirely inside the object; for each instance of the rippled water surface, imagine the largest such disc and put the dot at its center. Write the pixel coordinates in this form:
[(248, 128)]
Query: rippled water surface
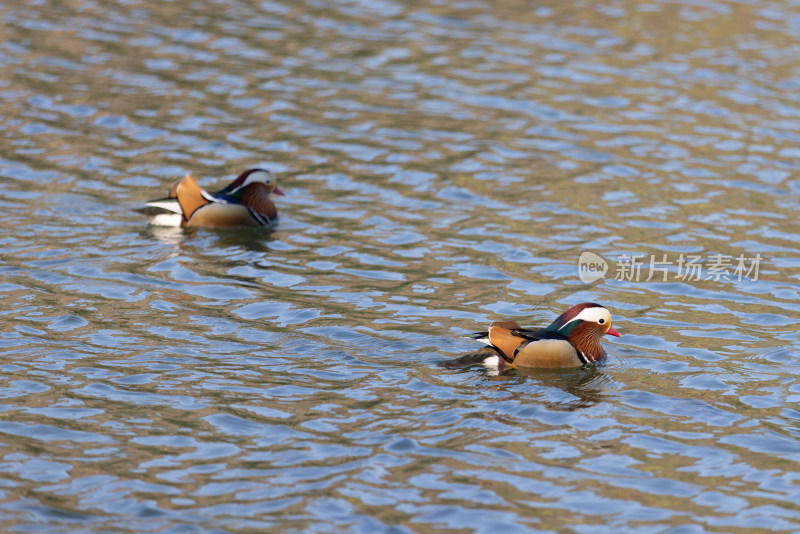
[(446, 164)]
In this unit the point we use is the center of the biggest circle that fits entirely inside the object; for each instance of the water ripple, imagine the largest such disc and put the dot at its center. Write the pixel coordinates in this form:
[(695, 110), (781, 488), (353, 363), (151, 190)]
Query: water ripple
[(444, 167)]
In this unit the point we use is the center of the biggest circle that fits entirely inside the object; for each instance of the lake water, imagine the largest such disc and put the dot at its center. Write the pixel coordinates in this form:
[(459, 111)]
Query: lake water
[(446, 164)]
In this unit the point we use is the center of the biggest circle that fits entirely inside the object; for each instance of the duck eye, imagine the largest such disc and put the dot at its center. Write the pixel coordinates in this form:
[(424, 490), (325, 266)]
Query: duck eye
[(602, 321)]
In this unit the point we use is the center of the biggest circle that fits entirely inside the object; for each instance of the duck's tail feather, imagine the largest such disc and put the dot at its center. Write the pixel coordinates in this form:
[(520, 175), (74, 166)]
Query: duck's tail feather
[(479, 357), (161, 206)]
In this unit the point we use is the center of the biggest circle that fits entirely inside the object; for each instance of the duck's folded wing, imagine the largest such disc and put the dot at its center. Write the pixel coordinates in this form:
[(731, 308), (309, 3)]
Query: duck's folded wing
[(529, 334), (537, 334)]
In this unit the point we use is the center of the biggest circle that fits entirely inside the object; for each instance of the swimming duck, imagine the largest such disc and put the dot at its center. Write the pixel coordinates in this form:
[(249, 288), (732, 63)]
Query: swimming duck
[(572, 340), (245, 202)]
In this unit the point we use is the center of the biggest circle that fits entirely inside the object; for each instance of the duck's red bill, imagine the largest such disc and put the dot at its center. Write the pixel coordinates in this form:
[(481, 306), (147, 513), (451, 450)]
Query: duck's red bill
[(613, 332), (278, 191)]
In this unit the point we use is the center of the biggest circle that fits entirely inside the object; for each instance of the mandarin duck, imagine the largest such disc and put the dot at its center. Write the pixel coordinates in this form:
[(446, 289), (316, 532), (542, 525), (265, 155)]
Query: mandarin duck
[(245, 202), (572, 340)]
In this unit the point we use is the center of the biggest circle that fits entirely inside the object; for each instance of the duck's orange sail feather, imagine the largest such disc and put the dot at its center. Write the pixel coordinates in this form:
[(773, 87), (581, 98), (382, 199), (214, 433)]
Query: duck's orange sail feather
[(190, 195)]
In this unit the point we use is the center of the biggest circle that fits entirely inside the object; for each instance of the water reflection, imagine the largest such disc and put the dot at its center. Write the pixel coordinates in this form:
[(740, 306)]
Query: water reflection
[(585, 386), (557, 389), (448, 166), (167, 234)]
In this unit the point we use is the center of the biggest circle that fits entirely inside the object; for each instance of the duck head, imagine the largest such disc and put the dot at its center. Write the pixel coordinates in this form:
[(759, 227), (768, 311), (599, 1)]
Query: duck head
[(253, 176), (584, 325)]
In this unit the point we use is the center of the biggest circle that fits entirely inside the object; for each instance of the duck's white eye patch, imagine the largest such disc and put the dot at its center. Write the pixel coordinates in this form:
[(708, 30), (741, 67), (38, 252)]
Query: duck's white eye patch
[(264, 177), (595, 314)]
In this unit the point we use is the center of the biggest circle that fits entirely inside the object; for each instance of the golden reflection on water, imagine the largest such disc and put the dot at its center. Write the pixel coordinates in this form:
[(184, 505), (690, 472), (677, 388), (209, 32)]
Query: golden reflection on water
[(446, 165)]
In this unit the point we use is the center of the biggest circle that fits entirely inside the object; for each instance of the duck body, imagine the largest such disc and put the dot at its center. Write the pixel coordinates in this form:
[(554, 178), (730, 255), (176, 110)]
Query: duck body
[(572, 340), (244, 202)]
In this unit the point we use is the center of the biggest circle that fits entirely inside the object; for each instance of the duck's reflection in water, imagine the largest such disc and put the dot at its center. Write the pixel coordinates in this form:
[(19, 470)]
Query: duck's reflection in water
[(585, 386), (221, 239)]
